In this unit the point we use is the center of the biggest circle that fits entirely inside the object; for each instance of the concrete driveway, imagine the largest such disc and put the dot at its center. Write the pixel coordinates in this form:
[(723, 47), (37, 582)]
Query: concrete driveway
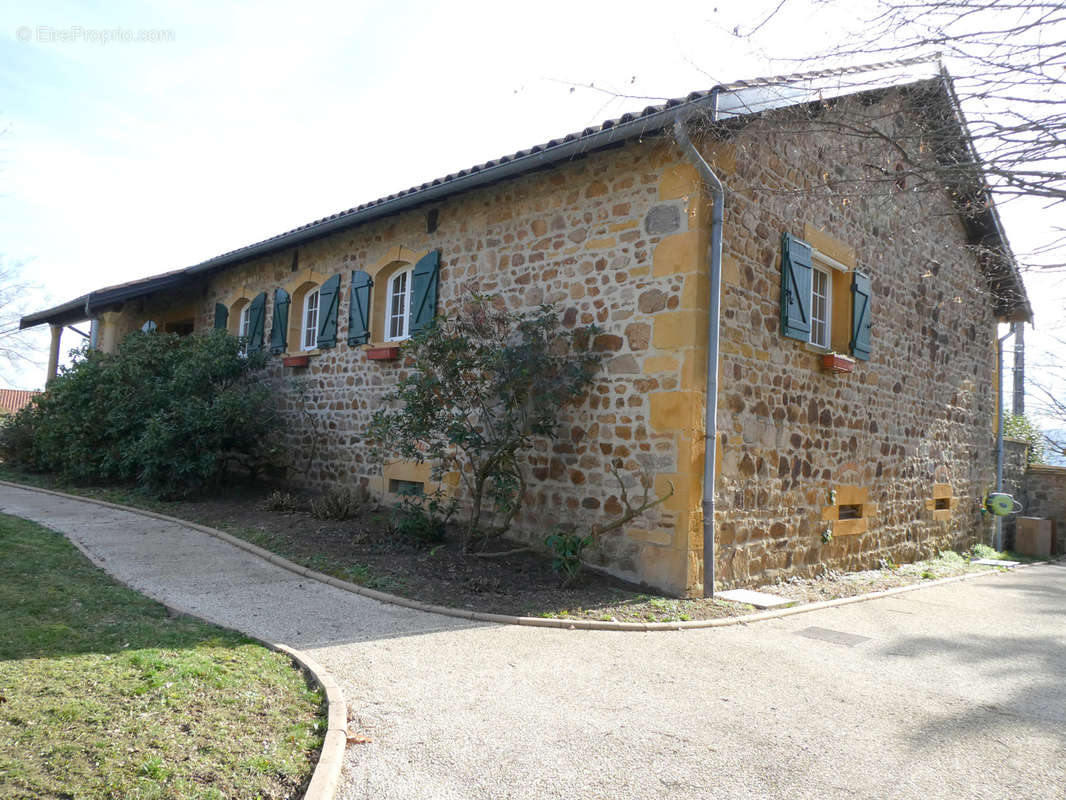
[(953, 691)]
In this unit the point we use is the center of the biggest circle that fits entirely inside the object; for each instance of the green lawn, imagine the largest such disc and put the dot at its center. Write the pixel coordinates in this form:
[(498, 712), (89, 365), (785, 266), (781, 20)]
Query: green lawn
[(103, 695)]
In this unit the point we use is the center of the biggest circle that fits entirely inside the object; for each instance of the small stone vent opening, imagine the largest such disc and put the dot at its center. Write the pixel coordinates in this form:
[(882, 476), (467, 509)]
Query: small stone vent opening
[(411, 488), (943, 502), (849, 511), (852, 511)]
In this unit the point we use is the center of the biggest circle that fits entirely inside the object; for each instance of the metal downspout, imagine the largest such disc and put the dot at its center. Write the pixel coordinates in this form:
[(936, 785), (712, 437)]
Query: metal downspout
[(710, 422), (93, 326), (999, 429)]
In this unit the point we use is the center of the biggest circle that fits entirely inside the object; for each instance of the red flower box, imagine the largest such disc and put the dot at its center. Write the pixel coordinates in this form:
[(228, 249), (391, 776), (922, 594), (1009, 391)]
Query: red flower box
[(383, 353), (835, 362), (296, 361)]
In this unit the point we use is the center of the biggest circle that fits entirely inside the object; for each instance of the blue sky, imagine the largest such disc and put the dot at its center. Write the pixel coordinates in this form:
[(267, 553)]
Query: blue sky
[(127, 158)]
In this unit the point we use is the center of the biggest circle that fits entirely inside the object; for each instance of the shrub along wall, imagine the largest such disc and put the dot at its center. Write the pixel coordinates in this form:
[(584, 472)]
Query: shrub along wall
[(170, 413)]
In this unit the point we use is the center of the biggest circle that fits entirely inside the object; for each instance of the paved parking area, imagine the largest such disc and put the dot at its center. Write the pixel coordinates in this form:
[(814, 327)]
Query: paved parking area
[(954, 691)]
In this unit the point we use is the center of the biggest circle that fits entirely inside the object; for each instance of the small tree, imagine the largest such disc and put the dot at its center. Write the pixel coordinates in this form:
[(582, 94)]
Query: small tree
[(485, 383)]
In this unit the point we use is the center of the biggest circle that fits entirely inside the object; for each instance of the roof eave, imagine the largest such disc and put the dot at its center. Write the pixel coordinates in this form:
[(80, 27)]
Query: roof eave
[(64, 314)]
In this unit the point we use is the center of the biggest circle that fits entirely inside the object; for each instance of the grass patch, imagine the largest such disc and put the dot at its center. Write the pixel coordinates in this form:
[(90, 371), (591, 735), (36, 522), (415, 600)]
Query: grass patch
[(984, 551), (106, 696)]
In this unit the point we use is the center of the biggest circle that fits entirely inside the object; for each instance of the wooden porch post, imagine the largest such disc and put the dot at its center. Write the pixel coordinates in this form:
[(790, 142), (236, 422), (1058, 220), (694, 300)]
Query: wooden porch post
[(53, 353)]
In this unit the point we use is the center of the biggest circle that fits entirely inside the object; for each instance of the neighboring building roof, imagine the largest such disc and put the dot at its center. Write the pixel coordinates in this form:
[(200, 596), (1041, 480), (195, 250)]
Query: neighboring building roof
[(11, 400), (725, 102)]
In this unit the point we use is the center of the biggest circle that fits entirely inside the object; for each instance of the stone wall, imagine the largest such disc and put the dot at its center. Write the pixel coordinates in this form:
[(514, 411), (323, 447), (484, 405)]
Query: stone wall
[(619, 239), (1015, 463), (613, 239), (1046, 497), (905, 441)]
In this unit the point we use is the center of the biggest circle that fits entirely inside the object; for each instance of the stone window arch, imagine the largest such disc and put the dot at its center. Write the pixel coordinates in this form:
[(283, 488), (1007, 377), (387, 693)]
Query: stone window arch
[(390, 322), (398, 304)]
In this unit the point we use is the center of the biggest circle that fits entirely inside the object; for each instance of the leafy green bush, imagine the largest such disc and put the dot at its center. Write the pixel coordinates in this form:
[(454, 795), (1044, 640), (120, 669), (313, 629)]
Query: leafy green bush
[(567, 549), (486, 383), (1018, 426), (170, 413), (423, 517)]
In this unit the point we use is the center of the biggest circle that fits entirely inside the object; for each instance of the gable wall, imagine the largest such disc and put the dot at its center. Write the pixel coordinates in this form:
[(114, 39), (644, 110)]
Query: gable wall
[(911, 425)]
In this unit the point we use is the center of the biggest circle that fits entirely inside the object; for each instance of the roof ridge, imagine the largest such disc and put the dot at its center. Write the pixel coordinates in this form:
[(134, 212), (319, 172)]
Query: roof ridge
[(830, 72)]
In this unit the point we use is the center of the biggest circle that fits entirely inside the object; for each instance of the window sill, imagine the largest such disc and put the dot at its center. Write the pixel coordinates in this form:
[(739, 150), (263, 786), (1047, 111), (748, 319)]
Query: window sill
[(386, 353), (298, 356), (836, 363), (386, 343)]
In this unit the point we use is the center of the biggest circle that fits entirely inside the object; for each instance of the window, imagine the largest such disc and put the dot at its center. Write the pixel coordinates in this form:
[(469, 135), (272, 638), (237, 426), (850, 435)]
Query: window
[(309, 336), (823, 301), (821, 307), (398, 308), (409, 488), (244, 320)]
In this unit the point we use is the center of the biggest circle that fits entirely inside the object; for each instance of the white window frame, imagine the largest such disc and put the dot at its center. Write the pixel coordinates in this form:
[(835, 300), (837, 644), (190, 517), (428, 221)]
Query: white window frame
[(823, 263), (403, 294), (309, 332), (244, 322), (826, 320)]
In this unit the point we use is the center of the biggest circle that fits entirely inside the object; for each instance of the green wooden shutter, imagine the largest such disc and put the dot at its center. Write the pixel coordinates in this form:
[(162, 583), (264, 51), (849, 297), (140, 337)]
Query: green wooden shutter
[(256, 313), (221, 317), (359, 308), (328, 298), (795, 288), (860, 315), (279, 327), (424, 282)]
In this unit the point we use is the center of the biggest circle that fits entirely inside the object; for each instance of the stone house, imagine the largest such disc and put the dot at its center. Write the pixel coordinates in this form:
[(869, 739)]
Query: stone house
[(856, 388)]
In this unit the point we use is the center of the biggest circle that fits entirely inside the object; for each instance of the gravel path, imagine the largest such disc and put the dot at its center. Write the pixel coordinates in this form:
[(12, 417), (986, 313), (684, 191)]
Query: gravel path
[(954, 691)]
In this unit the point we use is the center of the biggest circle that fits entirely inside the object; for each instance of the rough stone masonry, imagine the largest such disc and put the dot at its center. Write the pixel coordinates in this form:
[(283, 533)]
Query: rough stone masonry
[(817, 470)]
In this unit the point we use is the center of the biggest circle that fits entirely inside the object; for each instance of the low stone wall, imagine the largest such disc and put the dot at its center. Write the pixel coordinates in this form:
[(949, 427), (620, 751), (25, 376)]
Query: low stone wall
[(1046, 497), (1015, 461)]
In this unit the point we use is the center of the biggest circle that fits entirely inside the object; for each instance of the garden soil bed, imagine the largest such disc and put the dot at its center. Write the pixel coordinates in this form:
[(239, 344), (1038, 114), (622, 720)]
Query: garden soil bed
[(363, 550)]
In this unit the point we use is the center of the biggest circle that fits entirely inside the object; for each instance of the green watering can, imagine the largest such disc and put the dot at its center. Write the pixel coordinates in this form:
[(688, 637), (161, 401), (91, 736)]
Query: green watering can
[(1002, 505)]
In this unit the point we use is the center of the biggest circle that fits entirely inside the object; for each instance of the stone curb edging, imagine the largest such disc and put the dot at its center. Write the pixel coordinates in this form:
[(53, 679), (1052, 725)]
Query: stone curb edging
[(326, 776), (509, 619)]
